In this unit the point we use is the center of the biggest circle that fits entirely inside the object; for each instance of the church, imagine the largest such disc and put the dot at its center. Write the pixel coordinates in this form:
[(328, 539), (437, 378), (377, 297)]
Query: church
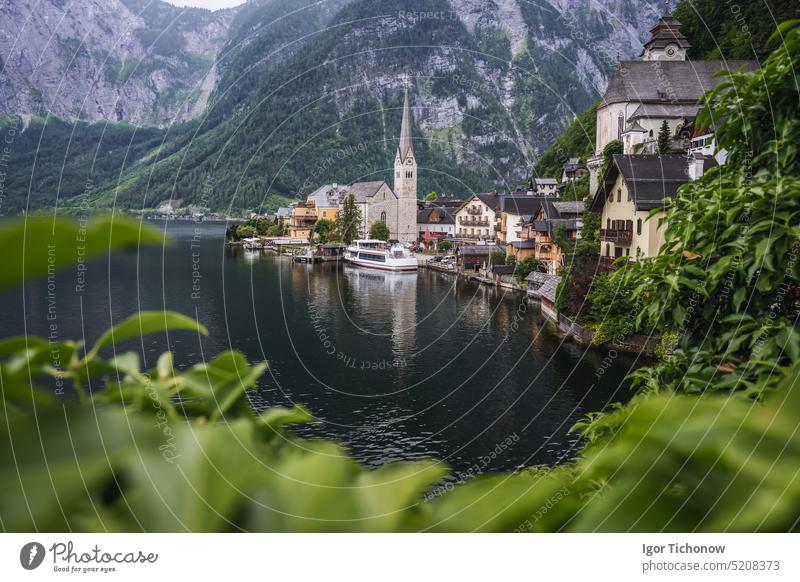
[(396, 207), (376, 200), (662, 86)]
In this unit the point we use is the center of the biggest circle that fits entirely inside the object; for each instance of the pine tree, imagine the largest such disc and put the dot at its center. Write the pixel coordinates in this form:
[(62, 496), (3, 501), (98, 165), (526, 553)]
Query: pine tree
[(664, 138), (348, 225)]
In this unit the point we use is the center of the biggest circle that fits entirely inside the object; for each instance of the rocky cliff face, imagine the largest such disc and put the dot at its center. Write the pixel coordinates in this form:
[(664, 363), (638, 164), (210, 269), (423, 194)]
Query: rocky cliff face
[(148, 63), (284, 87)]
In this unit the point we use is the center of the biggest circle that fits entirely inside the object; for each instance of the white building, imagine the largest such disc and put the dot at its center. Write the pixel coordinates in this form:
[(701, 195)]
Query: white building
[(662, 86), (477, 216)]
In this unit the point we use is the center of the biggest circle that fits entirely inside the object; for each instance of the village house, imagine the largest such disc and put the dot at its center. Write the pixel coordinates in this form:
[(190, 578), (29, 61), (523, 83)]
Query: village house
[(435, 222), (475, 257), (572, 170), (477, 217), (662, 86), (541, 230), (545, 187), (514, 211), (633, 186)]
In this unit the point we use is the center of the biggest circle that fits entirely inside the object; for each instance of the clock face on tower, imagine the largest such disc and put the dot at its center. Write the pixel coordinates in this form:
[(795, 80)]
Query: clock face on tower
[(671, 51)]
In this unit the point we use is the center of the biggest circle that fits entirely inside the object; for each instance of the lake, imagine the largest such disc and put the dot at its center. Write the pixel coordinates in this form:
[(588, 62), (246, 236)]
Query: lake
[(395, 366)]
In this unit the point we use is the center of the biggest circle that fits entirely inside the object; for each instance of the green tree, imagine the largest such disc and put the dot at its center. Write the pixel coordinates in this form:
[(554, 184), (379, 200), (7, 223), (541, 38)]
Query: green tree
[(323, 229), (444, 245), (664, 138), (497, 258), (431, 196), (527, 266), (379, 230), (348, 225), (246, 231)]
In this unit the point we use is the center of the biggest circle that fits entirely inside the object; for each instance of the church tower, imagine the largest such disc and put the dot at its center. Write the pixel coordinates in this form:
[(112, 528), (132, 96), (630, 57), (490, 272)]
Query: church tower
[(405, 180), (667, 42)]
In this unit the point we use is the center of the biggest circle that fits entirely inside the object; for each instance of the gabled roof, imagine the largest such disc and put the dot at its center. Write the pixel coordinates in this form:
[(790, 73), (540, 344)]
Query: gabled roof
[(283, 212), (664, 111), (568, 207), (328, 195), (650, 178), (490, 199), (362, 191), (549, 288), (479, 250), (424, 216), (523, 204), (667, 82)]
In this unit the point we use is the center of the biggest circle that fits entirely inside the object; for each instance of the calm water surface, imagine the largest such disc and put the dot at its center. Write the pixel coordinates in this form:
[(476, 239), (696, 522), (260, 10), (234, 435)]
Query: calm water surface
[(396, 366)]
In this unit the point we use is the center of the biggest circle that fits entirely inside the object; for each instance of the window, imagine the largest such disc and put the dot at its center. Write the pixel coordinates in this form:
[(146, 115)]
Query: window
[(608, 223), (627, 251), (620, 125), (629, 225), (638, 251), (409, 174), (638, 226), (629, 196), (619, 194), (608, 250), (383, 217)]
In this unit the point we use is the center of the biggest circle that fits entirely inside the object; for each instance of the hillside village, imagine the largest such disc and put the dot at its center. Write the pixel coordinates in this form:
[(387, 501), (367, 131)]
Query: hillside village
[(647, 146)]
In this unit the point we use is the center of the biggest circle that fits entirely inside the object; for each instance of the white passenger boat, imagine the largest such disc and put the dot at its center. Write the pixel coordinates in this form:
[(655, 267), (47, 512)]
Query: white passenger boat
[(378, 254), (252, 244)]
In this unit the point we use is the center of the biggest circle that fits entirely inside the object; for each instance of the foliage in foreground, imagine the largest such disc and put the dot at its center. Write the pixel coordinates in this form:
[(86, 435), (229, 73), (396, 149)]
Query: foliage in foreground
[(163, 449)]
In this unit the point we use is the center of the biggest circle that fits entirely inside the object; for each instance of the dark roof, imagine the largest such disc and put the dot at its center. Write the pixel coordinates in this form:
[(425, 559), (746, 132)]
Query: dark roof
[(364, 190), (524, 244), (479, 250), (568, 207), (649, 177), (503, 269), (667, 82), (667, 31), (491, 199), (664, 111), (523, 204), (424, 216)]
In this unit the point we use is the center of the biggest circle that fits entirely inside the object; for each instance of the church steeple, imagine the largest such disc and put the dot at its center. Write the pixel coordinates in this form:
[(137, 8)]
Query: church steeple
[(405, 162), (405, 132), (666, 43)]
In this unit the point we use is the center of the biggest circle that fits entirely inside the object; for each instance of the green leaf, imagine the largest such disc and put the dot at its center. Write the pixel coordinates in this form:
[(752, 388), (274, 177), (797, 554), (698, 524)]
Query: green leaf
[(147, 322), (35, 246)]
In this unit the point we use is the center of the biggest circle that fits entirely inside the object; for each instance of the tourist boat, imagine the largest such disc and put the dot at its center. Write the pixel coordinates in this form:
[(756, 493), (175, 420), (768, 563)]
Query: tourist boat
[(378, 254), (252, 244)]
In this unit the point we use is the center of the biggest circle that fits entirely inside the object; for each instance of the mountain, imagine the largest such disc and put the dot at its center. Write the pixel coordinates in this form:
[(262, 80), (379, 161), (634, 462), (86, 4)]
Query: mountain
[(310, 93)]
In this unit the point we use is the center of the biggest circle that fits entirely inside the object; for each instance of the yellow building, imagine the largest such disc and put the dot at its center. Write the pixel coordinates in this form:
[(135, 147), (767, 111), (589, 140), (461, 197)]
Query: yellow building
[(633, 186), (302, 220)]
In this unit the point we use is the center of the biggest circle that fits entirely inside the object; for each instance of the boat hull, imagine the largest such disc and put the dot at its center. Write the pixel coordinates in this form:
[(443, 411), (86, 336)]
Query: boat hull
[(404, 266)]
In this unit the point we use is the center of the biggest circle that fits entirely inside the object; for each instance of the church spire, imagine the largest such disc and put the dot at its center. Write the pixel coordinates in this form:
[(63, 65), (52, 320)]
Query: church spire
[(405, 131)]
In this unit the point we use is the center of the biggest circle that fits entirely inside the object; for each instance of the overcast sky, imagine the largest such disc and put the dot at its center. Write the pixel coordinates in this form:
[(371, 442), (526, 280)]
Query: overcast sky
[(211, 4)]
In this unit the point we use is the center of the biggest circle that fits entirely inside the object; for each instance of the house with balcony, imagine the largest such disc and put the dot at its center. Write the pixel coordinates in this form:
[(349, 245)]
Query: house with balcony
[(632, 187), (302, 219), (541, 230), (514, 212), (477, 217)]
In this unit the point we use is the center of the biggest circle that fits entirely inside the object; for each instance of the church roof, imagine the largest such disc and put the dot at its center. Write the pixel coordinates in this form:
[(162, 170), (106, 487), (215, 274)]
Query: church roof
[(405, 131), (667, 82), (665, 111), (363, 191)]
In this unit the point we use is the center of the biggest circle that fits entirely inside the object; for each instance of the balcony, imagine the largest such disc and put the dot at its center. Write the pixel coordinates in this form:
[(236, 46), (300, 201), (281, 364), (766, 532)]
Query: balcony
[(616, 236), (476, 210), (473, 222)]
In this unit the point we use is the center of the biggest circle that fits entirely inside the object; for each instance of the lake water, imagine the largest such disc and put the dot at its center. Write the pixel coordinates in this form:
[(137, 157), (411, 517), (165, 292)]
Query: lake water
[(396, 366)]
